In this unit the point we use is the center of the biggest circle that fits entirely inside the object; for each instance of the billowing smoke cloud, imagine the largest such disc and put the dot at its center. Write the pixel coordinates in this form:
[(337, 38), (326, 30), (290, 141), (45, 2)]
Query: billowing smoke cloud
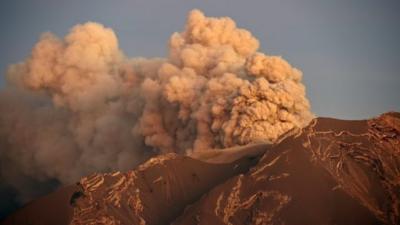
[(78, 105)]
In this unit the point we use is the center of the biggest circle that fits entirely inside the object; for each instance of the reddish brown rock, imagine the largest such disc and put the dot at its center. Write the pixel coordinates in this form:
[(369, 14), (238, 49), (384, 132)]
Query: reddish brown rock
[(333, 172), (154, 193)]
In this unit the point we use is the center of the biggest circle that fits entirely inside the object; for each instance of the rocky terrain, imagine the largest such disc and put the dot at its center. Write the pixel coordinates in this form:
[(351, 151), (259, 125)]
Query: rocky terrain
[(331, 172)]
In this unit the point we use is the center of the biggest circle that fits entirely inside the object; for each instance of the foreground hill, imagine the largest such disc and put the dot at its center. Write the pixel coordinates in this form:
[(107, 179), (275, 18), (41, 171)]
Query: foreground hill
[(332, 172)]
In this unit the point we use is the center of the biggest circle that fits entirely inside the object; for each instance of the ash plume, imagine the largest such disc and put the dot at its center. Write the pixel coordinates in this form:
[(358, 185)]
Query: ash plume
[(78, 104)]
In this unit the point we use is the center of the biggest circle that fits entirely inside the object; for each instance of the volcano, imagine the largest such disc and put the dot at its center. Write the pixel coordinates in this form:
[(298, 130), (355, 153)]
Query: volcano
[(330, 172)]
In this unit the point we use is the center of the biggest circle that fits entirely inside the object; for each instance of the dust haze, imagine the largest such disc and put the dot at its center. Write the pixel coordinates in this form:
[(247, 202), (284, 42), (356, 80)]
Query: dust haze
[(77, 104)]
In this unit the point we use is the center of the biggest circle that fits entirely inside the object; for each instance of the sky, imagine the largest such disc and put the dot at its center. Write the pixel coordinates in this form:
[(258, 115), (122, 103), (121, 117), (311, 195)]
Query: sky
[(348, 50)]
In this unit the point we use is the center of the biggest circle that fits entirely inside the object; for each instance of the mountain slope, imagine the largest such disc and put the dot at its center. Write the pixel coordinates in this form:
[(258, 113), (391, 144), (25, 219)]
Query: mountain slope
[(335, 172), (332, 172)]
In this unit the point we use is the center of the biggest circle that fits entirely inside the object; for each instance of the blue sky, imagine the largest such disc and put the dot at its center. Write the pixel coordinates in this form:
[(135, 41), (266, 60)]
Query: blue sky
[(348, 50)]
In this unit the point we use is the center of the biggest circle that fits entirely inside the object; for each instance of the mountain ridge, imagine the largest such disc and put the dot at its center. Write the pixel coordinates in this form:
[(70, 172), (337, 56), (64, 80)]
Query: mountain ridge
[(332, 172)]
